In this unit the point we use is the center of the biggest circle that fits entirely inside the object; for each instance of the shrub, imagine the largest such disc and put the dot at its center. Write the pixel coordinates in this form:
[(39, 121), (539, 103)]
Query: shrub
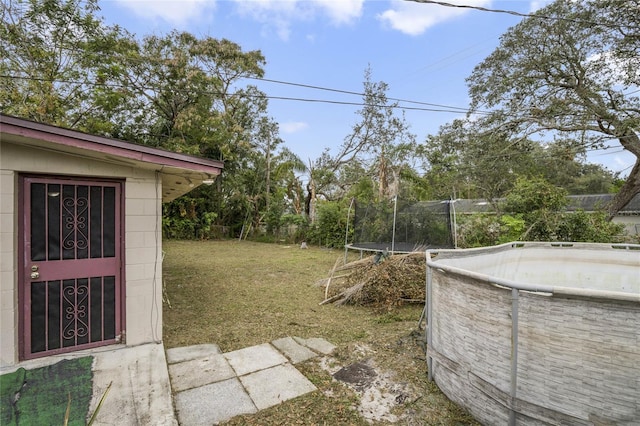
[(588, 227), (330, 226)]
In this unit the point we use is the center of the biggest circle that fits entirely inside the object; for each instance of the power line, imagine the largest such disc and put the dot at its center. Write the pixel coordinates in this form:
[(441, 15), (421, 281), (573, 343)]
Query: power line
[(308, 86), (167, 62), (300, 100), (448, 60), (455, 111), (520, 14), (428, 107), (441, 108)]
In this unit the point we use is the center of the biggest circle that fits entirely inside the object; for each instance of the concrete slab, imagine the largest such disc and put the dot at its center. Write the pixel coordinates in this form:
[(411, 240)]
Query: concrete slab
[(213, 403), (254, 358), (293, 350), (317, 344), (199, 372), (276, 384), (187, 353), (140, 393)]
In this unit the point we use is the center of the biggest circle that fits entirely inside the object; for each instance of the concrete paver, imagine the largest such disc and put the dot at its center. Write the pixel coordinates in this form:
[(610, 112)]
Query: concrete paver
[(187, 353), (213, 403), (212, 388), (199, 372), (209, 387), (140, 392), (254, 358), (317, 344), (276, 384), (293, 350)]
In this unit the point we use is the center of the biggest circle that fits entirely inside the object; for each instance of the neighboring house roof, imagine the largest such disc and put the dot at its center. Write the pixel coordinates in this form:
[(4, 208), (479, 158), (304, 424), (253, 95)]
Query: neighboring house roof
[(180, 173), (472, 205), (588, 203), (596, 202)]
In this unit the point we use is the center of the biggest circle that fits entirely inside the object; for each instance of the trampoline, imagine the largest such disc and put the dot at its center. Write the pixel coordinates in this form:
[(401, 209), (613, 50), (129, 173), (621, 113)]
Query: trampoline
[(398, 226)]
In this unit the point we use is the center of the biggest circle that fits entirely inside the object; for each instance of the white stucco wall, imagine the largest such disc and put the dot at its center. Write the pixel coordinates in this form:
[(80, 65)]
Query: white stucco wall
[(143, 240), (631, 224)]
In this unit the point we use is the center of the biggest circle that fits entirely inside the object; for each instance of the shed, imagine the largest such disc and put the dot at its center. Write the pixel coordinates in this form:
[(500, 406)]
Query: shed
[(80, 238)]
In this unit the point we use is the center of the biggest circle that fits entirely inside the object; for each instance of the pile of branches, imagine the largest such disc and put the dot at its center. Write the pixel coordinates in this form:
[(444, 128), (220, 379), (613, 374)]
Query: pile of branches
[(380, 282)]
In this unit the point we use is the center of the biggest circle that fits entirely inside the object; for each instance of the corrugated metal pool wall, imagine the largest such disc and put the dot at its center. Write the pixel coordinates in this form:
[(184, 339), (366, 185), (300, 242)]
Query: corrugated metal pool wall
[(515, 356)]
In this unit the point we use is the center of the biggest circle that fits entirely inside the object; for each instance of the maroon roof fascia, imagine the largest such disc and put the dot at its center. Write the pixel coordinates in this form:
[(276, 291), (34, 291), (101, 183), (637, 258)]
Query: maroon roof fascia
[(76, 139)]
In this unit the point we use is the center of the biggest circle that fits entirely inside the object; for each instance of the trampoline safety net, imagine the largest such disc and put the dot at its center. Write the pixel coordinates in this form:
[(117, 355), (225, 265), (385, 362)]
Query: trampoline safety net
[(419, 226)]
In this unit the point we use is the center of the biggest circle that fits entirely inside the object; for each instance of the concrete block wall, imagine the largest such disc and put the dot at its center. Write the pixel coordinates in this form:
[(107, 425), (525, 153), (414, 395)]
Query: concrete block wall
[(8, 266), (143, 240), (143, 254)]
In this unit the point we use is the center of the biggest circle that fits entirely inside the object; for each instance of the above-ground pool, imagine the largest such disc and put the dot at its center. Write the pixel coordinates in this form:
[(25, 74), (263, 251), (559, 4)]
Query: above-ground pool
[(537, 333)]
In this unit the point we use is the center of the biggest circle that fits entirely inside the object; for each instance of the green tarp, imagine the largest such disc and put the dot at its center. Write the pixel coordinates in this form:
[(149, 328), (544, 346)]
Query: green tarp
[(40, 396)]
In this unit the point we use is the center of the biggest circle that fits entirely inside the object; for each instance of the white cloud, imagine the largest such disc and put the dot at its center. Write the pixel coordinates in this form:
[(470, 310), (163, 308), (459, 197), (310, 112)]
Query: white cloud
[(278, 15), (538, 4), (293, 127), (414, 18), (341, 12), (622, 73), (177, 13)]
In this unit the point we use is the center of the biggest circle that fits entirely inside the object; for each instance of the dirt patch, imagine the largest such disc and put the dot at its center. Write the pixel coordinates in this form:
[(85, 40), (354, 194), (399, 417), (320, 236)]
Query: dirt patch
[(358, 375), (379, 393)]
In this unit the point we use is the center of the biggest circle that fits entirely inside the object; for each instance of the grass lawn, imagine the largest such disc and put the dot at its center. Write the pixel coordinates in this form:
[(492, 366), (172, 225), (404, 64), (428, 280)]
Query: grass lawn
[(238, 294)]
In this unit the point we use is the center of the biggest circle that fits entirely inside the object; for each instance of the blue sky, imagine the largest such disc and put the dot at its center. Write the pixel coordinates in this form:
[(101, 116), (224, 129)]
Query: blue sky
[(423, 52)]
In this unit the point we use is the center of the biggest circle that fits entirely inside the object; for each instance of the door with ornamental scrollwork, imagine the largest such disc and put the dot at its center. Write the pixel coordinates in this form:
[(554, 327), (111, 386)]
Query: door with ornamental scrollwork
[(71, 289)]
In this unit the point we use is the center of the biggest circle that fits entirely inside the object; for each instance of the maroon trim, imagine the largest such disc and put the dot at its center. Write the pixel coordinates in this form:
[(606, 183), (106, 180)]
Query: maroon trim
[(51, 268), (23, 311), (72, 138), (58, 269), (121, 305)]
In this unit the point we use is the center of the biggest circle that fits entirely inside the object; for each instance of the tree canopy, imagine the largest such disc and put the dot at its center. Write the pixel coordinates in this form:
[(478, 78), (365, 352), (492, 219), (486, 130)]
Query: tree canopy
[(571, 69), (54, 57), (570, 73), (379, 146)]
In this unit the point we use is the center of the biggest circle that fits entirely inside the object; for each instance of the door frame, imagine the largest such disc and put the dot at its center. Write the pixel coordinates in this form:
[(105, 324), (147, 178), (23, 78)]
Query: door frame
[(24, 311)]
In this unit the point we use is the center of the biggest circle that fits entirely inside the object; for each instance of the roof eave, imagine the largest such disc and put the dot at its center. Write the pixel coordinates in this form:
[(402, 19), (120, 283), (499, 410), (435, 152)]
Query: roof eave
[(180, 173)]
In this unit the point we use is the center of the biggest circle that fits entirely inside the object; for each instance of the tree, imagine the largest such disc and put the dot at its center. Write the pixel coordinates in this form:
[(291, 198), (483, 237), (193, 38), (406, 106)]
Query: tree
[(61, 64), (56, 60), (535, 211), (563, 163), (538, 213), (379, 146), (464, 161), (184, 97), (572, 69), (269, 177), (288, 165), (380, 139)]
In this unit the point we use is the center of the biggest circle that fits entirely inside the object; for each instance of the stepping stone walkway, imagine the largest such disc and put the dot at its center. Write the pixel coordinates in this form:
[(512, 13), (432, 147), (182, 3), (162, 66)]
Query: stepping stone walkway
[(211, 387)]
